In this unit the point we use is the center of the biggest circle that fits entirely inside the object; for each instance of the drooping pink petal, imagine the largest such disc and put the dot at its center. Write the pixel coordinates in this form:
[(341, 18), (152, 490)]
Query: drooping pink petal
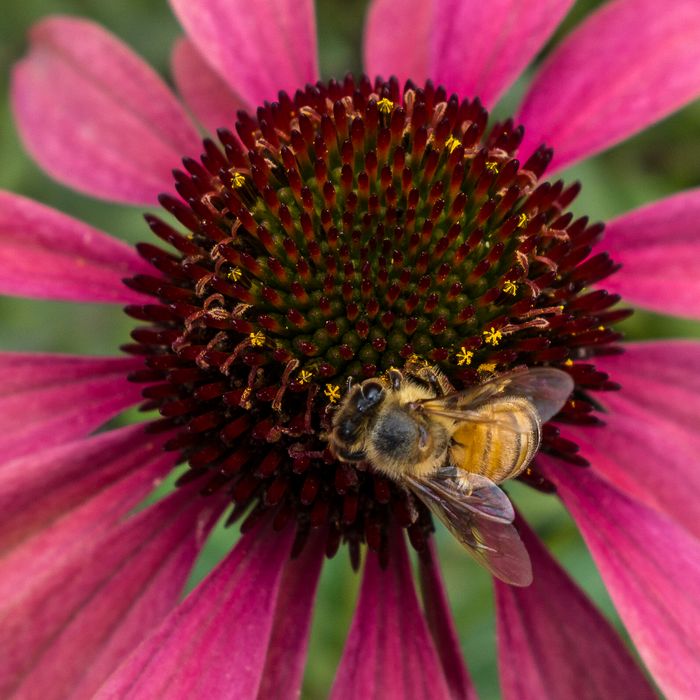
[(650, 442), (625, 67), (474, 49), (48, 255), (47, 400), (553, 643), (180, 541), (659, 248), (95, 116), (39, 488), (441, 625), (651, 567), (95, 598), (205, 92), (648, 457), (389, 652), (227, 620), (258, 48), (289, 640)]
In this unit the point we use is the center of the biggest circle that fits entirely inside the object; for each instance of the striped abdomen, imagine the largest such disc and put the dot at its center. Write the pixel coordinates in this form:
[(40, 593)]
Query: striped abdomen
[(501, 441)]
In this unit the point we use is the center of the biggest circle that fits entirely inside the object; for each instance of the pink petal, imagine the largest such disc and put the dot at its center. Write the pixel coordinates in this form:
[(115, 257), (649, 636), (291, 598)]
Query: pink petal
[(661, 375), (626, 67), (650, 442), (96, 513), (95, 116), (398, 39), (471, 48), (441, 625), (93, 600), (289, 640), (48, 255), (25, 372), (39, 488), (659, 248), (389, 652), (258, 48), (650, 566), (51, 399), (647, 457), (173, 557), (553, 643), (215, 643), (208, 95)]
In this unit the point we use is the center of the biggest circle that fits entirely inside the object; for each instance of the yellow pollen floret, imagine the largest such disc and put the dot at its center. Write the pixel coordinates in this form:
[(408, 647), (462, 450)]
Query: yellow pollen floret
[(235, 274), (304, 376), (385, 105), (486, 367), (523, 220), (332, 393), (244, 400), (568, 362), (493, 336), (510, 288), (257, 339), (492, 166), (237, 180), (464, 356), (452, 143), (417, 360)]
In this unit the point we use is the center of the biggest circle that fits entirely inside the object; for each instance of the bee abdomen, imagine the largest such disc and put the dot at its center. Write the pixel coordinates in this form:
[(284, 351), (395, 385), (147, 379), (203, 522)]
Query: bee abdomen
[(503, 444)]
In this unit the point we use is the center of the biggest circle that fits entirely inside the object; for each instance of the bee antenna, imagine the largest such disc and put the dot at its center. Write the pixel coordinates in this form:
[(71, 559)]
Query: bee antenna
[(395, 377), (350, 383)]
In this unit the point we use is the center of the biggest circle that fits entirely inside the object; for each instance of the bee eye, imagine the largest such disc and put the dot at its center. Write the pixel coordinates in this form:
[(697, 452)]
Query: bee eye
[(368, 396), (371, 392)]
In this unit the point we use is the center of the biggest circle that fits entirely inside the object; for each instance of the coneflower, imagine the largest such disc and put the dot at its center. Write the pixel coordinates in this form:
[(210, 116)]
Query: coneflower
[(334, 230)]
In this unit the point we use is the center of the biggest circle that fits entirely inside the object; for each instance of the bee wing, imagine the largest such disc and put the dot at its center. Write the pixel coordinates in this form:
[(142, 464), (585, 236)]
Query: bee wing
[(545, 387), (507, 420), (480, 516)]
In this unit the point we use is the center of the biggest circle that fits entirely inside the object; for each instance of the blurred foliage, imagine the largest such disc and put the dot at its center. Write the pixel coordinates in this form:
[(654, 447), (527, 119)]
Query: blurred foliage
[(658, 162)]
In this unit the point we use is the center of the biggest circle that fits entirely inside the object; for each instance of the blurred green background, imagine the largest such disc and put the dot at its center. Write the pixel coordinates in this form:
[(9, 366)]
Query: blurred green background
[(662, 160)]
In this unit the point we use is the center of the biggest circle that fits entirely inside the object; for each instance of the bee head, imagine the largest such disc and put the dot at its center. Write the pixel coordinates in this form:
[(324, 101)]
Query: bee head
[(351, 421)]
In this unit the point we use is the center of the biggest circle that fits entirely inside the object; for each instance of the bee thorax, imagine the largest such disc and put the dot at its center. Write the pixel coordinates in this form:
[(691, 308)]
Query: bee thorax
[(400, 443)]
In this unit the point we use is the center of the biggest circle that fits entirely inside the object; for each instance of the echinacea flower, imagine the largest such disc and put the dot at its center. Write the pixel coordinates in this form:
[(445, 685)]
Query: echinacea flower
[(336, 229)]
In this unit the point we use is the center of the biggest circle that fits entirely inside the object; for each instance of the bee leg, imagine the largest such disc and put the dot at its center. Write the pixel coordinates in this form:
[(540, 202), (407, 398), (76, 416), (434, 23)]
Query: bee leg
[(434, 382), (447, 471), (458, 477), (347, 456)]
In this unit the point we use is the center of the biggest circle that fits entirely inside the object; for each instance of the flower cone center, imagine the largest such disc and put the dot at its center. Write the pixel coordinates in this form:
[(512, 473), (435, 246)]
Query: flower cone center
[(338, 234)]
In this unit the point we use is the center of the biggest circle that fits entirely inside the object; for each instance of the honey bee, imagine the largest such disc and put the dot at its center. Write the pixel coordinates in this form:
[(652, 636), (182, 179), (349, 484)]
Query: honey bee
[(452, 449)]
